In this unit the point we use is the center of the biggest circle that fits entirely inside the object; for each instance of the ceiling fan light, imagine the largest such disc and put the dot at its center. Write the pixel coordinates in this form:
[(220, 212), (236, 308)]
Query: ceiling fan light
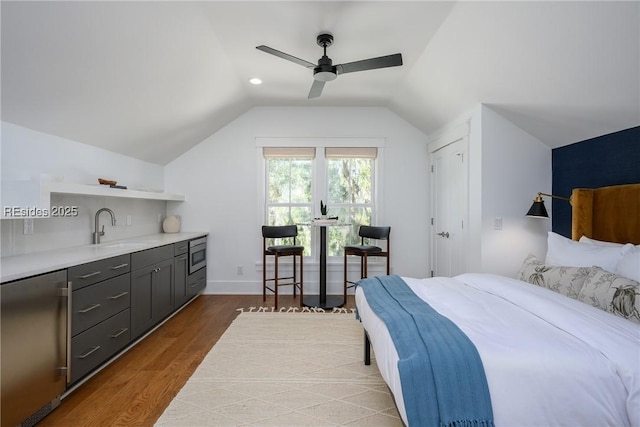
[(325, 76)]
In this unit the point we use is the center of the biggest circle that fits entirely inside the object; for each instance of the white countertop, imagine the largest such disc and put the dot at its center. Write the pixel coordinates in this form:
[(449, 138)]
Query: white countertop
[(21, 266)]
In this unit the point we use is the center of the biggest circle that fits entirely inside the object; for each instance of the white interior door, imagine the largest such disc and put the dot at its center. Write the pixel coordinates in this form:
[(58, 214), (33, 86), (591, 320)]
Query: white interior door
[(449, 174)]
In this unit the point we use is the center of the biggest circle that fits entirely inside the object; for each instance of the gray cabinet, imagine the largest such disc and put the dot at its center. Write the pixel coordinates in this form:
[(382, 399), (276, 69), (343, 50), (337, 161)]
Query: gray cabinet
[(181, 270), (97, 271), (100, 315), (180, 294), (151, 288), (196, 282), (97, 344)]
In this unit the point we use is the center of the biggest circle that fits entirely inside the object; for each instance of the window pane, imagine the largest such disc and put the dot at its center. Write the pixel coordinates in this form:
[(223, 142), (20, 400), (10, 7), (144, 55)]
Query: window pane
[(338, 237), (278, 180), (300, 181), (289, 180), (349, 180), (288, 215)]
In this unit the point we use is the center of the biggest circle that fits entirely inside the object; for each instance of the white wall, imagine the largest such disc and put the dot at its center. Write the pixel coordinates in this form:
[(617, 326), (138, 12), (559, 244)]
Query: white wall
[(219, 179), (508, 167), (26, 154)]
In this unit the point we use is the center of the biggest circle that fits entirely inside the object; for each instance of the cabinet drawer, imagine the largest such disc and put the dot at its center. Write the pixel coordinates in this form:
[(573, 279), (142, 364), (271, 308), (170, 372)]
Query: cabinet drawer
[(97, 271), (151, 256), (95, 345), (180, 248), (95, 303), (196, 282)]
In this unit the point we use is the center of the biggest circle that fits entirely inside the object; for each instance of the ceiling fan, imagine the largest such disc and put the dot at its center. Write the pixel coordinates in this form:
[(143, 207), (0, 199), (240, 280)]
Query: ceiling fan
[(324, 71)]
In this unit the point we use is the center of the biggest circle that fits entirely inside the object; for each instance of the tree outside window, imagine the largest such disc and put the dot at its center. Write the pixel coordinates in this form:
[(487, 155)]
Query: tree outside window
[(289, 183), (350, 197)]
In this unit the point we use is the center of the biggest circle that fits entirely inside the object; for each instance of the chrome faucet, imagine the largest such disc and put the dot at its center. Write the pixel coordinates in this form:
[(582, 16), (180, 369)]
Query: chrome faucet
[(96, 233)]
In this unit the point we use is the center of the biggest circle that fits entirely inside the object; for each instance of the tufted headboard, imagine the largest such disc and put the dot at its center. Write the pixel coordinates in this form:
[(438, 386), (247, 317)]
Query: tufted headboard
[(610, 213)]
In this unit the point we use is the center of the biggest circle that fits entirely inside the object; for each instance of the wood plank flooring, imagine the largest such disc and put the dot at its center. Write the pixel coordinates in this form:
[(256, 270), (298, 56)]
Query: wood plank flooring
[(136, 388)]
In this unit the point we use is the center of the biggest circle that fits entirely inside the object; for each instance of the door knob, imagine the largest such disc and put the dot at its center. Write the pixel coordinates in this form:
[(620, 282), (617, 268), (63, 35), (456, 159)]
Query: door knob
[(444, 234)]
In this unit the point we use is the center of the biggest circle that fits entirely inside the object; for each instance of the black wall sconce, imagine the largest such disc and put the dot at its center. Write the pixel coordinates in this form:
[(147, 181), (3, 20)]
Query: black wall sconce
[(537, 209)]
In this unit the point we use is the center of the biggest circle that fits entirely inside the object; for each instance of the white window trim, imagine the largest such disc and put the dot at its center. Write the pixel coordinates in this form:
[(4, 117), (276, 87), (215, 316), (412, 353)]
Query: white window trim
[(319, 187)]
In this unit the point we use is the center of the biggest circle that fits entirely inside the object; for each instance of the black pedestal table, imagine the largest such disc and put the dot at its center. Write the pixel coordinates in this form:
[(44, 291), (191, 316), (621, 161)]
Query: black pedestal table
[(323, 300)]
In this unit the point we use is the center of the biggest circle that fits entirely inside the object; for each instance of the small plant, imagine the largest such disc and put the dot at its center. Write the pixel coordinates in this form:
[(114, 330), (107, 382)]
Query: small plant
[(323, 208)]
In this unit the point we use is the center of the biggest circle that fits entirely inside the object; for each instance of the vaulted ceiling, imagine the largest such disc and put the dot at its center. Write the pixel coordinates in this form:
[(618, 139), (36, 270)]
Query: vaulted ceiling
[(153, 79)]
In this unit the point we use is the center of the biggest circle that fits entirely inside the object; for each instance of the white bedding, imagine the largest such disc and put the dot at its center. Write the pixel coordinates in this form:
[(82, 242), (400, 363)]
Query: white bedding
[(549, 360)]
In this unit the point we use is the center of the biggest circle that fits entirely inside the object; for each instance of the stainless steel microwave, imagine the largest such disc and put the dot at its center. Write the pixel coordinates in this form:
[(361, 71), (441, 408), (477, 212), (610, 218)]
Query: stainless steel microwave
[(197, 254)]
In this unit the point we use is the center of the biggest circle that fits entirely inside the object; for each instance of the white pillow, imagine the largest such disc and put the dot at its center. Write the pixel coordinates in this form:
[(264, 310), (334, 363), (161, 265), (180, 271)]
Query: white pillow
[(566, 252), (629, 265), (585, 239)]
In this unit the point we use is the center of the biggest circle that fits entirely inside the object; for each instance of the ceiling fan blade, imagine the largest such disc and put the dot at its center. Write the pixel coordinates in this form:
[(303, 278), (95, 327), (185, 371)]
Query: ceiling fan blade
[(316, 89), (370, 64), (286, 56)]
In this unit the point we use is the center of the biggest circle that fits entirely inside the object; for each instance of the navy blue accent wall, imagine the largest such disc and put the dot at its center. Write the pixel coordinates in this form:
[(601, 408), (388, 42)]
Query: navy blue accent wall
[(611, 159)]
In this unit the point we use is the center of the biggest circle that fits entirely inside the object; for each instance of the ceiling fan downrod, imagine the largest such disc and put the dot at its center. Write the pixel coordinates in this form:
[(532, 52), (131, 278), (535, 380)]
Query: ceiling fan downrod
[(325, 71)]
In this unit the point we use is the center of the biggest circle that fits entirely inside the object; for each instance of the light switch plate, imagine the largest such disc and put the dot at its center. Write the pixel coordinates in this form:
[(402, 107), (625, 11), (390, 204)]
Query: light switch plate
[(28, 226), (497, 223)]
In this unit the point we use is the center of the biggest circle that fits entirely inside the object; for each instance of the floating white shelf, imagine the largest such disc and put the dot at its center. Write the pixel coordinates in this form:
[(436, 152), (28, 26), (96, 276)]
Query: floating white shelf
[(106, 191), (35, 196)]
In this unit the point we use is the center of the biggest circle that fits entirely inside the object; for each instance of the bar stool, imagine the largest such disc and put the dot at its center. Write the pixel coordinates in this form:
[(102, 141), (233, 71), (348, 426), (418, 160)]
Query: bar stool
[(365, 250), (279, 233)]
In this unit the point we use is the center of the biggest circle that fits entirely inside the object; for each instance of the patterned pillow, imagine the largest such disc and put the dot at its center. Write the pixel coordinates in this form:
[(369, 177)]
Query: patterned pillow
[(612, 293), (567, 281)]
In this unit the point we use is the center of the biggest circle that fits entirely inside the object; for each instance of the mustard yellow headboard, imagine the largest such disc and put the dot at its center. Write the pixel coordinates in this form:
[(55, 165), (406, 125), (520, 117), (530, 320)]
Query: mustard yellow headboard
[(610, 213)]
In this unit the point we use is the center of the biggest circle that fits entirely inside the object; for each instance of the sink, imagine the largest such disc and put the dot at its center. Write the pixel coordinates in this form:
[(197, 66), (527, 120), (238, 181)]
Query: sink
[(126, 245)]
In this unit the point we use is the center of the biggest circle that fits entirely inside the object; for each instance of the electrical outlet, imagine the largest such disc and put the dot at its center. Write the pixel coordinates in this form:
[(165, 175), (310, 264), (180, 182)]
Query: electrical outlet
[(497, 223), (28, 226), (240, 270)]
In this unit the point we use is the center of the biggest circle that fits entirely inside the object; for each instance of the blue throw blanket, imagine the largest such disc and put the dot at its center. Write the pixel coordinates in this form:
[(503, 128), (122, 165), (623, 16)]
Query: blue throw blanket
[(442, 377)]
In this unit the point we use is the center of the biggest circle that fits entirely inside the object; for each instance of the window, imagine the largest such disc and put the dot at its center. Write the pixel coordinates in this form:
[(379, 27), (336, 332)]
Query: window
[(289, 181), (298, 178), (350, 188)]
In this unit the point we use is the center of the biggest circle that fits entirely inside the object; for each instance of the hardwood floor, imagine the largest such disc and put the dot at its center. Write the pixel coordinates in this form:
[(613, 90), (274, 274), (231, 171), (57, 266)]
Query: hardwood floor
[(136, 388)]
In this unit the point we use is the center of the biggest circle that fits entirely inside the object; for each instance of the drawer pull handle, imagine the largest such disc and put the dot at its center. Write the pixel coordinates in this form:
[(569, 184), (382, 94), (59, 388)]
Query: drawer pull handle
[(194, 285), (117, 267), (86, 310), (90, 352), (182, 247), (86, 276), (120, 332), (119, 295)]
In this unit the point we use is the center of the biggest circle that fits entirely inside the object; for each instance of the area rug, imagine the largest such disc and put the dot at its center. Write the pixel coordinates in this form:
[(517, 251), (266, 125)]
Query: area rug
[(285, 369)]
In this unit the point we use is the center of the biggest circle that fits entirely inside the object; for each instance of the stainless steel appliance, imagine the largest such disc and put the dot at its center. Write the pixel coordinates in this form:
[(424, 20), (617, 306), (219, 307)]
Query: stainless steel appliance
[(33, 326), (197, 254)]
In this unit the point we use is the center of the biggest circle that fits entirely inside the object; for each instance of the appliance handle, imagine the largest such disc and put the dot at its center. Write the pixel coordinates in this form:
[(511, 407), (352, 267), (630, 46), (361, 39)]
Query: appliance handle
[(197, 242), (69, 317)]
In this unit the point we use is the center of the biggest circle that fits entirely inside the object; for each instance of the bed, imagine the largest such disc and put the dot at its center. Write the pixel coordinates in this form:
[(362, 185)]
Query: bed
[(559, 345)]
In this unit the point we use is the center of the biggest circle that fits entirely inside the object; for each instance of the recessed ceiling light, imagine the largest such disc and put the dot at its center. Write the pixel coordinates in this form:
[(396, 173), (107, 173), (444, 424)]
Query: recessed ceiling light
[(255, 81)]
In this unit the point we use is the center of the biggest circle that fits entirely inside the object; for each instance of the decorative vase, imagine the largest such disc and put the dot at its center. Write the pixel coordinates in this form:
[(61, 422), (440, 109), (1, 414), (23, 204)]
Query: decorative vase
[(323, 216), (171, 224)]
